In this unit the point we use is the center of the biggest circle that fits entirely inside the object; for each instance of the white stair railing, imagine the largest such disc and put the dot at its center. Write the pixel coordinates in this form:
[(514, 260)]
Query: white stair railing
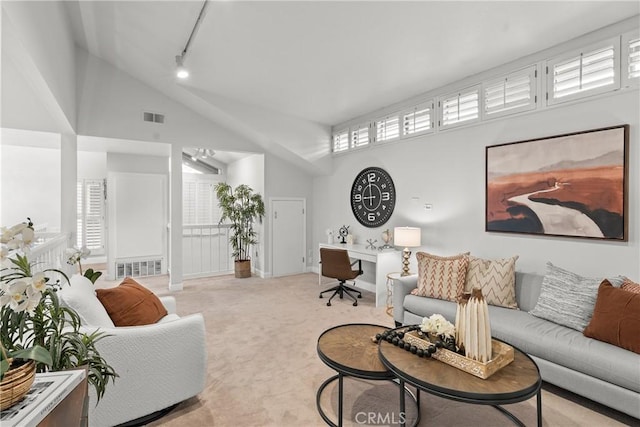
[(49, 252), (206, 250)]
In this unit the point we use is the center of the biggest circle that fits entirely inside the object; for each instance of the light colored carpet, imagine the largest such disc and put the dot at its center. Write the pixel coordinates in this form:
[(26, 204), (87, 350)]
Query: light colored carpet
[(263, 369)]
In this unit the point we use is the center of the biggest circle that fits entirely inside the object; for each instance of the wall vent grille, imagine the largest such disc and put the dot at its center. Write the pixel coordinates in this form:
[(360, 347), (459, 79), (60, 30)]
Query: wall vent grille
[(153, 117), (138, 268)]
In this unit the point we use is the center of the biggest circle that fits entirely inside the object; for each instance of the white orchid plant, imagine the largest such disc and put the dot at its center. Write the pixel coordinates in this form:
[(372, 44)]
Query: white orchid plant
[(75, 256), (20, 292), (34, 324), (436, 324)]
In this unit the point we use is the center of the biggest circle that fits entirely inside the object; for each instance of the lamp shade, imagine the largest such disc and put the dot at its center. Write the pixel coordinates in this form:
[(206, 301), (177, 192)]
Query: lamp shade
[(408, 237)]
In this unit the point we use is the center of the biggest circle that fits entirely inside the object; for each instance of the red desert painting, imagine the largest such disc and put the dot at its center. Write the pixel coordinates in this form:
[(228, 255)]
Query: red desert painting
[(569, 185)]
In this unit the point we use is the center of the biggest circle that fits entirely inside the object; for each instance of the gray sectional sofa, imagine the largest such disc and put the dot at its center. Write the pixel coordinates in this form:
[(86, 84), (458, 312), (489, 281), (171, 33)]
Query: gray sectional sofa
[(566, 358)]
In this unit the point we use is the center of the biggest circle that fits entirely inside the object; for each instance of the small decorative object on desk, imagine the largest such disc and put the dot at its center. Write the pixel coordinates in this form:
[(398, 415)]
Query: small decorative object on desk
[(387, 236), (371, 243), (329, 236), (343, 231)]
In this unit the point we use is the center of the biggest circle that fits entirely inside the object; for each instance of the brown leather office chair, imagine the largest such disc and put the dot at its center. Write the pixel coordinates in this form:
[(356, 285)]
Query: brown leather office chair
[(335, 263)]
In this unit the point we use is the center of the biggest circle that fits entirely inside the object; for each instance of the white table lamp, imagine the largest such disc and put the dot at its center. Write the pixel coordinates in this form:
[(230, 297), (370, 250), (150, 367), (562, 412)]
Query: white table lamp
[(407, 237)]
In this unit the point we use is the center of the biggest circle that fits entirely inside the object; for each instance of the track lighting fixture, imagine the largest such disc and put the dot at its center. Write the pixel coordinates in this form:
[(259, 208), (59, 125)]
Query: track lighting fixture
[(181, 70), (203, 153)]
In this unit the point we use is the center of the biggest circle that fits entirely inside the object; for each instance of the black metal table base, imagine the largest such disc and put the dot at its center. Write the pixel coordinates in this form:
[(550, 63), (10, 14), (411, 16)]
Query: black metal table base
[(508, 414), (340, 377)]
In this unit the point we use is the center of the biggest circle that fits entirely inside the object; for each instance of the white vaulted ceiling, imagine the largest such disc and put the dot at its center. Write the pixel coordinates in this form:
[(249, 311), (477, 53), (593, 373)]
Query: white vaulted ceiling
[(284, 72)]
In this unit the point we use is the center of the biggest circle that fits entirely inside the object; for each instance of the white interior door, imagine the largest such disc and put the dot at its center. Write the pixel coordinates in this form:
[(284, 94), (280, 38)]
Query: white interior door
[(288, 221)]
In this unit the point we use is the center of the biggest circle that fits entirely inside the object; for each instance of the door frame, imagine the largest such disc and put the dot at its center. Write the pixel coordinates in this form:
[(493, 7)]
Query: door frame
[(304, 230)]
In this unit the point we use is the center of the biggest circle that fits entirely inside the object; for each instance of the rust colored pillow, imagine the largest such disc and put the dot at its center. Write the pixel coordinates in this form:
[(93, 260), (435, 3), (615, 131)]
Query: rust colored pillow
[(131, 304), (616, 318), (630, 286)]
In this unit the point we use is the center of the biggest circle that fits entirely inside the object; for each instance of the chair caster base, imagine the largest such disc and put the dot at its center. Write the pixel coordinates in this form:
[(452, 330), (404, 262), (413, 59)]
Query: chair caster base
[(355, 304), (329, 304)]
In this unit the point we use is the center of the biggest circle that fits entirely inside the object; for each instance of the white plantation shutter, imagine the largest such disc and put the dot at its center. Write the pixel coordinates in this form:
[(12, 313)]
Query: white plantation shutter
[(388, 128), (417, 120), (189, 205), (79, 213), (510, 94), (633, 58), (583, 73), (360, 135), (341, 141), (459, 107), (199, 203), (205, 207), (91, 215)]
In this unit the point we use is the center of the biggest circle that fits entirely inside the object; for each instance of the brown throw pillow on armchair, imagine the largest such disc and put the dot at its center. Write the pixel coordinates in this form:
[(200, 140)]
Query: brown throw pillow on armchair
[(616, 318), (131, 304)]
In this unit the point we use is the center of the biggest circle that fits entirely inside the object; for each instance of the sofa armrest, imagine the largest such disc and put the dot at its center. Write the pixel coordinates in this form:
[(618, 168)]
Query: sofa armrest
[(401, 288), (169, 303), (158, 365)]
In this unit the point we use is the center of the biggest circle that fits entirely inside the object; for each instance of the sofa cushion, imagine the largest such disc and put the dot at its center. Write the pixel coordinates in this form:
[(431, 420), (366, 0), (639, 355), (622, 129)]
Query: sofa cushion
[(616, 318), (441, 277), (567, 298), (131, 304), (630, 286), (496, 278), (80, 295), (565, 347)]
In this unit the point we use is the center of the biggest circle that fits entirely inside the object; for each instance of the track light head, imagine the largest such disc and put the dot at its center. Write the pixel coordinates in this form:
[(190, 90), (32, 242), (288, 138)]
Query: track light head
[(181, 71)]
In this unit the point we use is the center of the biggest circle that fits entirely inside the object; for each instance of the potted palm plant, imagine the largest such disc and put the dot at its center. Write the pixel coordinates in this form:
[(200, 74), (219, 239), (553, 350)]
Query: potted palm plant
[(241, 207)]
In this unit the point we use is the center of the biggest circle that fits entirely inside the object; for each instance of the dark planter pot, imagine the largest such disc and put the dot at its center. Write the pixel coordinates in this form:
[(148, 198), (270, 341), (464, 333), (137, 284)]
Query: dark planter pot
[(243, 269)]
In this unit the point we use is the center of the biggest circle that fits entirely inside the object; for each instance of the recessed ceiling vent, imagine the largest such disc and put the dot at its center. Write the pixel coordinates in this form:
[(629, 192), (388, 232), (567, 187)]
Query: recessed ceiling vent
[(153, 117)]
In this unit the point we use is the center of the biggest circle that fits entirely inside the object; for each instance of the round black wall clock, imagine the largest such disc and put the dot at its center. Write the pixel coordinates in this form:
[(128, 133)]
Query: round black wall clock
[(373, 197)]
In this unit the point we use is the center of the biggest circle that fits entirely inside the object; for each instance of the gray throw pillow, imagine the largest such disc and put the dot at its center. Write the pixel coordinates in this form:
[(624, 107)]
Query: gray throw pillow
[(567, 298)]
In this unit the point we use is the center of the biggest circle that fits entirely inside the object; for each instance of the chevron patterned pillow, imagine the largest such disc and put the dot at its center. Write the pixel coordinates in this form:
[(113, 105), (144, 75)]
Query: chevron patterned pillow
[(441, 277), (630, 286), (496, 278)]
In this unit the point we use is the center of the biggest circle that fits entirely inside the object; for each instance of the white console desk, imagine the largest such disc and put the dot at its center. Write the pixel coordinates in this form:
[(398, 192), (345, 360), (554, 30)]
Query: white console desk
[(385, 261)]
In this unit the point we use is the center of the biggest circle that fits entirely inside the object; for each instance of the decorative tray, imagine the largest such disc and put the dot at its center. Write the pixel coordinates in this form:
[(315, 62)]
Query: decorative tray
[(502, 355)]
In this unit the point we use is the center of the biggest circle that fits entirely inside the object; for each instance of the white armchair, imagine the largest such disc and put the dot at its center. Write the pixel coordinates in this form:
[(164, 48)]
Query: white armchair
[(158, 365)]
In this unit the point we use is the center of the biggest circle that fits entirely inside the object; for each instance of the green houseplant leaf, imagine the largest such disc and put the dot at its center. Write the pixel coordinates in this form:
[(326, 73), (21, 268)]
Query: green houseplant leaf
[(241, 207)]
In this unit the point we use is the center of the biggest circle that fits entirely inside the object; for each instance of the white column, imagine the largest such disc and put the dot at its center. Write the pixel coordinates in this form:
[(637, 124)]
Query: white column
[(69, 178), (175, 221)]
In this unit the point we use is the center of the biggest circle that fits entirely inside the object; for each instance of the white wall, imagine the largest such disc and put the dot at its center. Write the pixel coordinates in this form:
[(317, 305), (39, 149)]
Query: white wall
[(42, 45), (30, 185), (447, 170), (283, 179), (112, 105), (137, 207), (92, 165)]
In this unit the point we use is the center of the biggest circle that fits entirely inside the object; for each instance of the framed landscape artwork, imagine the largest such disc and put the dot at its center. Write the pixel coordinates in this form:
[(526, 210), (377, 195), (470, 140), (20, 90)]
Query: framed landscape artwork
[(568, 185)]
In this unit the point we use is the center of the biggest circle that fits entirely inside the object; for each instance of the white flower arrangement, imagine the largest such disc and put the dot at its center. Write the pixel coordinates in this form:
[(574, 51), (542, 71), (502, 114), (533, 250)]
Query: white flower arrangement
[(17, 238), (329, 232), (438, 325), (74, 255)]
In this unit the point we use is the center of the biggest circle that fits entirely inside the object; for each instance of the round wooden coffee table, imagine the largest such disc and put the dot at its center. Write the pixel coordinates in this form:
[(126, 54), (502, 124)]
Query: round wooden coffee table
[(350, 351), (518, 381)]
